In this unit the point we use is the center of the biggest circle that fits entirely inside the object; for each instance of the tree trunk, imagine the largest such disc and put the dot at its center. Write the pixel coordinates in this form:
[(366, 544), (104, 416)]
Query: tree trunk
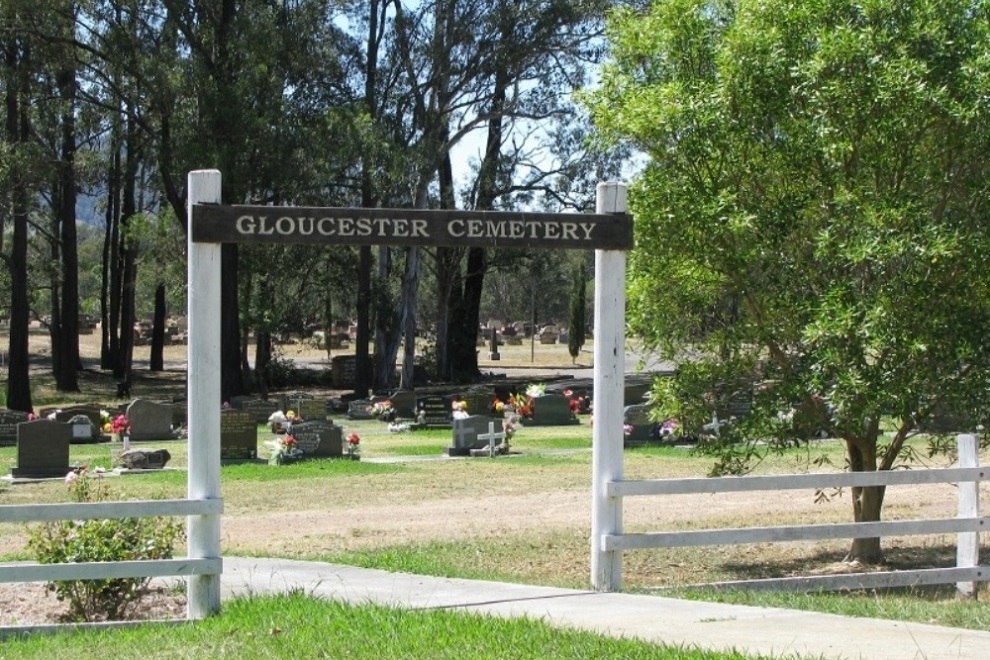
[(18, 374), (407, 314), (231, 381), (262, 359), (867, 502), (157, 361), (67, 365)]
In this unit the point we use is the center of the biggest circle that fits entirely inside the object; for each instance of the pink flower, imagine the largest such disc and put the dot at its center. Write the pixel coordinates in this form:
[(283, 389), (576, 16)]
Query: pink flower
[(71, 478)]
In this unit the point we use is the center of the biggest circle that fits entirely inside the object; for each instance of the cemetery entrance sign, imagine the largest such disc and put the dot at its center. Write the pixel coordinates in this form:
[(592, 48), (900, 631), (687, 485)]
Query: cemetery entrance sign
[(213, 223), (608, 232)]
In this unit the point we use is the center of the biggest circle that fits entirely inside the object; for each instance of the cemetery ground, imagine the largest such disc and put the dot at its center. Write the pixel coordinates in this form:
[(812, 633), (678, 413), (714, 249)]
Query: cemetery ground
[(523, 518)]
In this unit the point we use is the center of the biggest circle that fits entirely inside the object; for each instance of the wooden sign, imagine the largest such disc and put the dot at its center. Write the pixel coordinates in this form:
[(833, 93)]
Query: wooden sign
[(216, 223)]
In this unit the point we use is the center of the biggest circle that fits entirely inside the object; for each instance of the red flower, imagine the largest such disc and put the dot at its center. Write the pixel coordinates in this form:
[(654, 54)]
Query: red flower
[(353, 439), (290, 441)]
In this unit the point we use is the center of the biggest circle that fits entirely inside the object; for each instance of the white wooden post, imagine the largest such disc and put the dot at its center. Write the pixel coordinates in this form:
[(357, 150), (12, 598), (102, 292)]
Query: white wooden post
[(607, 437), (968, 543), (203, 592)]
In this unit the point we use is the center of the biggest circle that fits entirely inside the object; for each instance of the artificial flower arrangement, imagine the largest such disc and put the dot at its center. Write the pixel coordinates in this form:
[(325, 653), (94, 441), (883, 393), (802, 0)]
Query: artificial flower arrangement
[(398, 427), (497, 406), (522, 404), (536, 390), (460, 409), (279, 422), (383, 410), (284, 450), (115, 424), (579, 404), (352, 447)]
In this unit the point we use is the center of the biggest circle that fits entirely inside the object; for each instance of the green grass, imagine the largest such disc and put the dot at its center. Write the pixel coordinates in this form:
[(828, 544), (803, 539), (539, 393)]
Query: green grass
[(297, 626)]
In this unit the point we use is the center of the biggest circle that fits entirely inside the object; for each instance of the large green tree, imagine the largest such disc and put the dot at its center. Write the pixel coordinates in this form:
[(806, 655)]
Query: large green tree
[(814, 213)]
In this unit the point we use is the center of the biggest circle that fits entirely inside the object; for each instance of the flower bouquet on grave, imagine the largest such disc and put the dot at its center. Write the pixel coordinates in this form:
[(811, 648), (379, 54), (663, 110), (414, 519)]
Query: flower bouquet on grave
[(460, 409), (497, 407), (383, 410), (284, 450), (536, 390), (522, 404), (352, 447)]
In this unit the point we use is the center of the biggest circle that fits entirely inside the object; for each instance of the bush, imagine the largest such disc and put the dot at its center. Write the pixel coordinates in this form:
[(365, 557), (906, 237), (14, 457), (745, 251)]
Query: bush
[(107, 540)]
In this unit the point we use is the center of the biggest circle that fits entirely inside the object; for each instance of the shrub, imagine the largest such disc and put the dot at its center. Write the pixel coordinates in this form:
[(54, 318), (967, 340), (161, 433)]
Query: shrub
[(106, 540)]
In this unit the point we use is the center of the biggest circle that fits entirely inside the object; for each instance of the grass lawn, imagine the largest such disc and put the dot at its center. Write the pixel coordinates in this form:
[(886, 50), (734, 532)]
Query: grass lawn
[(295, 626)]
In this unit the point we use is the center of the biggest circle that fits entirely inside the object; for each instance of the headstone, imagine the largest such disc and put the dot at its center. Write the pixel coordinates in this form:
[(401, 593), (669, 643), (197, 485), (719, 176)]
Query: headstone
[(513, 340), (9, 419), (467, 434), (404, 402), (92, 412), (305, 406), (42, 449), (551, 410), (144, 459), (641, 428), (260, 408), (149, 420), (238, 436), (321, 439), (343, 371), (493, 354), (478, 402), (434, 410), (359, 409), (83, 431), (180, 412)]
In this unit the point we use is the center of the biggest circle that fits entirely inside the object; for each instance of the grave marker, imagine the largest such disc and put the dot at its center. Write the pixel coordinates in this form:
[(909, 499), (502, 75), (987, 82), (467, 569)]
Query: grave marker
[(473, 433), (83, 431), (9, 419), (42, 449), (238, 436), (434, 410), (149, 420), (550, 410), (642, 427), (319, 439), (359, 409)]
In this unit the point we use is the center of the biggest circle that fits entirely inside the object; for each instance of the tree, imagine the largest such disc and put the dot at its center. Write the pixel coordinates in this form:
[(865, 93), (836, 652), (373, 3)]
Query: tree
[(813, 219), (575, 336)]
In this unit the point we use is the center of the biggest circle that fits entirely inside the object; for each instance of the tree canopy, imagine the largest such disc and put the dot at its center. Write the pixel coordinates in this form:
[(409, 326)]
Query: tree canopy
[(813, 219)]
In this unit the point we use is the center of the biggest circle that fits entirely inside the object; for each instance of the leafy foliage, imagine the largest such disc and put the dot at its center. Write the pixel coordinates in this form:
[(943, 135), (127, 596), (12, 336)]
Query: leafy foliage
[(107, 540), (814, 214)]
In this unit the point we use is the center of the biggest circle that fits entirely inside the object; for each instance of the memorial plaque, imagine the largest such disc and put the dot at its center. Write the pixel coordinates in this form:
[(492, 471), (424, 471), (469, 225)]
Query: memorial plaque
[(259, 408), (359, 409), (640, 427), (343, 369), (320, 439), (434, 411), (238, 436), (83, 431), (9, 419)]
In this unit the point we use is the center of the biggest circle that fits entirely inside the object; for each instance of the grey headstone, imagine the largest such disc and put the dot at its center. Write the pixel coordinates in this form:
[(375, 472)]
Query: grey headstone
[(319, 439), (343, 371), (83, 431), (551, 410), (305, 406), (149, 420), (643, 428), (467, 432), (92, 412), (359, 409), (238, 436), (9, 419), (259, 408), (42, 449), (404, 402), (434, 410)]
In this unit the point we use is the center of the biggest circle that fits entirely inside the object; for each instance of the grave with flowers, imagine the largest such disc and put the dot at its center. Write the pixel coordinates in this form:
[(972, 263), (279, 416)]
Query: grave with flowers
[(537, 408), (305, 440)]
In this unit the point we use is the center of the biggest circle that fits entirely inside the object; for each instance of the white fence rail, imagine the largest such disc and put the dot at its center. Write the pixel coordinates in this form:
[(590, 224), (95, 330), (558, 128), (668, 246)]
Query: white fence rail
[(967, 525), (34, 572)]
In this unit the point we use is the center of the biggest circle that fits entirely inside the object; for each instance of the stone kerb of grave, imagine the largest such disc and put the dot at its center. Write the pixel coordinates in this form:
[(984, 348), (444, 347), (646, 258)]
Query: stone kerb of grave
[(319, 439), (149, 421), (42, 449), (9, 419), (476, 433)]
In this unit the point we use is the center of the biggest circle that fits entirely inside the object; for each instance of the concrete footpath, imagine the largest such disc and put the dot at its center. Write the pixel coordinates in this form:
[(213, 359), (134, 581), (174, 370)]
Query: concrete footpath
[(772, 632)]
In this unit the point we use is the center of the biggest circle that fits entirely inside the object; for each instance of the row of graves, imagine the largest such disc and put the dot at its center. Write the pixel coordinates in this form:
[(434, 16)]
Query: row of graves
[(482, 420), (43, 441)]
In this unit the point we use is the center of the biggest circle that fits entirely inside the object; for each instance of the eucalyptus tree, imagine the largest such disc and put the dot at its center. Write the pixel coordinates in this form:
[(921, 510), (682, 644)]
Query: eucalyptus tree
[(813, 220)]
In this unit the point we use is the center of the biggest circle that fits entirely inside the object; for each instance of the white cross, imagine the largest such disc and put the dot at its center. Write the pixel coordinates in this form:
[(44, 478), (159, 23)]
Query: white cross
[(491, 437)]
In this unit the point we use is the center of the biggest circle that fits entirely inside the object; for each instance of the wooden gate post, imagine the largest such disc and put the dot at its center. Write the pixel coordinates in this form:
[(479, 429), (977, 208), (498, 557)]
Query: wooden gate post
[(609, 381), (203, 369), (968, 543)]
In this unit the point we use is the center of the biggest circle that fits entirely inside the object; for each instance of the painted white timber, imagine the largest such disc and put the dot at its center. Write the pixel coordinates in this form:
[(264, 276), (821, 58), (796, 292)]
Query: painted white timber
[(883, 580), (203, 592), (860, 530), (794, 481), (968, 543), (609, 381), (84, 511), (107, 570)]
